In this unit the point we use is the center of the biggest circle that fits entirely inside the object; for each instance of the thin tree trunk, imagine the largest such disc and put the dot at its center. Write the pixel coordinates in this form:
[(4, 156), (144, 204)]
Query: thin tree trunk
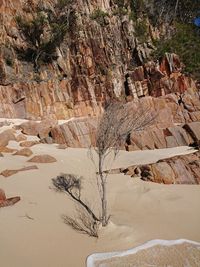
[(103, 194), (104, 205)]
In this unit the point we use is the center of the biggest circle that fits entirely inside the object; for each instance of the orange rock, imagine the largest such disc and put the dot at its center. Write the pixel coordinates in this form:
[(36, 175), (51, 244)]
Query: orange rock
[(21, 137), (163, 173), (7, 150), (41, 129), (42, 159), (29, 127), (2, 195), (193, 129), (29, 143), (79, 132), (7, 173), (6, 136), (177, 170), (26, 152), (9, 202)]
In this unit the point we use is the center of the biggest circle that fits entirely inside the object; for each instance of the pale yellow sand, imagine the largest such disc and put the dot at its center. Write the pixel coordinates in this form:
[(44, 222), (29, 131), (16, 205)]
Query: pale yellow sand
[(32, 233)]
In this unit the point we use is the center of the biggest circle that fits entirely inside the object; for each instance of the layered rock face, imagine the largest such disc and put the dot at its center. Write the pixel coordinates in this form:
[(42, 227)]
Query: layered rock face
[(177, 170), (98, 60), (174, 125)]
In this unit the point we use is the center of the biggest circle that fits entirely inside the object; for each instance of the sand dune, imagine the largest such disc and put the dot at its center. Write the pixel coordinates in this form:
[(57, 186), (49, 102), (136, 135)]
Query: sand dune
[(33, 234)]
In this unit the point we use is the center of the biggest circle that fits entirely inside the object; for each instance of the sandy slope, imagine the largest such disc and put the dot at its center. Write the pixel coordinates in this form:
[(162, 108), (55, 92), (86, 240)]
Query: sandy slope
[(140, 211)]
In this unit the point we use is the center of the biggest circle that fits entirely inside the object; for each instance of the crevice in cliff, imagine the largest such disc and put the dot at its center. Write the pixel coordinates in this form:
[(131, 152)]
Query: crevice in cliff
[(126, 86)]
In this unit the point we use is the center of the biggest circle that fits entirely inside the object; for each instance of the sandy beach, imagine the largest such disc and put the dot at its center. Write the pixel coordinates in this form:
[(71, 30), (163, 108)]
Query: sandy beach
[(32, 231)]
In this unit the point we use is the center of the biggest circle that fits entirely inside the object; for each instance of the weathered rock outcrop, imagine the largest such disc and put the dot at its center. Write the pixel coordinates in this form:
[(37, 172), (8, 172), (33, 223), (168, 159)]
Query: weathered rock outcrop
[(177, 170), (168, 130), (98, 60), (76, 133), (40, 129)]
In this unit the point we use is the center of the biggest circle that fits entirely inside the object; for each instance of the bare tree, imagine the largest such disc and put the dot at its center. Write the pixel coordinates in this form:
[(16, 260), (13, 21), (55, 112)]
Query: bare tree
[(85, 220), (115, 126)]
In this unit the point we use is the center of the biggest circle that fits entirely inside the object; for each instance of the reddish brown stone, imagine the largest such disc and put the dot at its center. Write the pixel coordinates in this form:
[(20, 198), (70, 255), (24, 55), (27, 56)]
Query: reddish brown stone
[(7, 173), (29, 128), (9, 202), (7, 150), (2, 195), (5, 137), (26, 152), (29, 143), (21, 137), (163, 173), (42, 159), (177, 170), (193, 129)]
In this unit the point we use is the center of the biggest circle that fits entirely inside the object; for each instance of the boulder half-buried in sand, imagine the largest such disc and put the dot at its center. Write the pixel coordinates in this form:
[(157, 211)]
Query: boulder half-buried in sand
[(4, 202), (42, 159), (26, 152), (7, 173)]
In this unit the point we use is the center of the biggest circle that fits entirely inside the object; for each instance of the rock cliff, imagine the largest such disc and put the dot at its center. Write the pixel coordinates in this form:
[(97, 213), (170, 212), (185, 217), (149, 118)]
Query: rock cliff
[(101, 57)]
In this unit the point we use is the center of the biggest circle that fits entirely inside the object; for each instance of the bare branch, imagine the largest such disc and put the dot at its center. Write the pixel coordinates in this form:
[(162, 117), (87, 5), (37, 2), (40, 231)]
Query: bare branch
[(82, 222), (71, 184)]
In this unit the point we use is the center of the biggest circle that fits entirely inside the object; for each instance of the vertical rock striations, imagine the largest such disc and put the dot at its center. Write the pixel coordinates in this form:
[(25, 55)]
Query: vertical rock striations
[(100, 58)]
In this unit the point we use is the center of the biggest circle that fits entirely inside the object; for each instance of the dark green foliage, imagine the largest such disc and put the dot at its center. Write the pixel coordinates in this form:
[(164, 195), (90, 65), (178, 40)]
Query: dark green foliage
[(61, 4), (121, 9), (160, 11), (44, 33), (138, 8), (183, 39), (99, 15), (186, 43), (120, 3), (141, 30)]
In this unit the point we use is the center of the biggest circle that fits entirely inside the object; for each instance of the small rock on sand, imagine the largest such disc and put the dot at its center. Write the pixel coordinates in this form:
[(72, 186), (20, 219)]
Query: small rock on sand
[(7, 173), (26, 152), (43, 159), (4, 202), (29, 143), (5, 149)]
